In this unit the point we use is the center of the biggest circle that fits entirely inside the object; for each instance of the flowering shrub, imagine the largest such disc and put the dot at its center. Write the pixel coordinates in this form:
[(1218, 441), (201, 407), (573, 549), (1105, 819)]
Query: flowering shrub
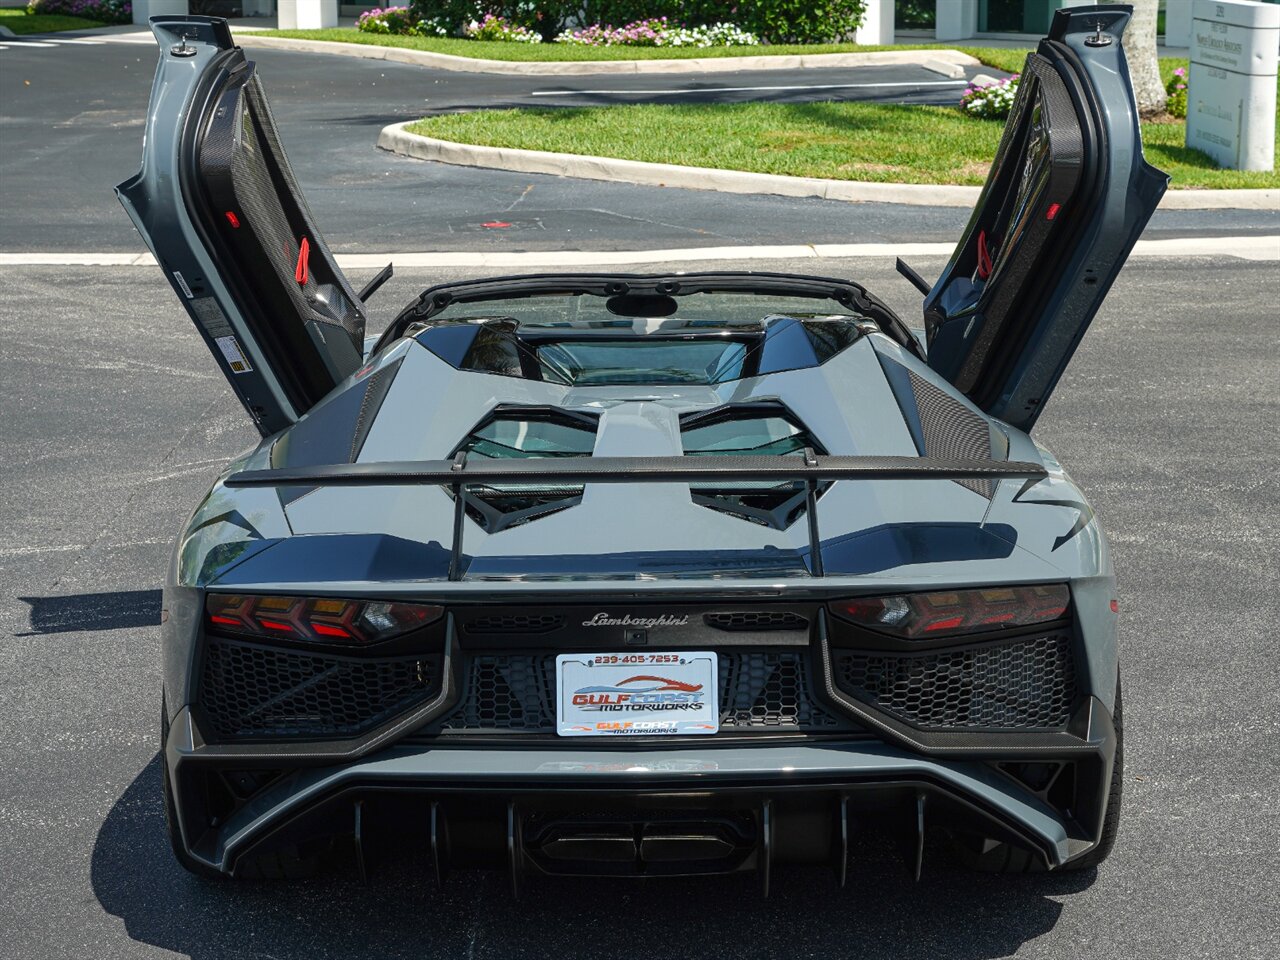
[(657, 32), (641, 33), (104, 11), (773, 21), (991, 101), (501, 29), (1176, 88), (401, 21)]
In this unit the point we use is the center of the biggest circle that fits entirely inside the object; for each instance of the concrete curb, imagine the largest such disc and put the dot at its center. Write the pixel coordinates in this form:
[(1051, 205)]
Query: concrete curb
[(947, 62), (396, 139)]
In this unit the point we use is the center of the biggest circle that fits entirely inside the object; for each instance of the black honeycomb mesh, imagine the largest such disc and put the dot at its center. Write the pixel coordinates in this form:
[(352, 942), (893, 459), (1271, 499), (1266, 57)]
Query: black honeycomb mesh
[(758, 690), (769, 690), (743, 620), (1027, 684), (951, 430), (507, 693), (515, 623), (247, 691)]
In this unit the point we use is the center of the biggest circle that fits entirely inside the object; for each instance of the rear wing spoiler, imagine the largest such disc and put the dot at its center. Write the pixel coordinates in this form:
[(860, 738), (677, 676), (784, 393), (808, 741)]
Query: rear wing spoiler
[(804, 472)]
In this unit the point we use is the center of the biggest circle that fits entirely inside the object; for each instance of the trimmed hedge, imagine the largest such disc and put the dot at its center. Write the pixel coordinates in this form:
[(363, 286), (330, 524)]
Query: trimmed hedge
[(104, 11), (775, 21)]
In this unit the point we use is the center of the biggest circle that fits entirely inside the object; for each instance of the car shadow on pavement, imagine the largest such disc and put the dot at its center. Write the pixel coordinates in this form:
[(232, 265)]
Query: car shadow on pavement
[(116, 610), (950, 913)]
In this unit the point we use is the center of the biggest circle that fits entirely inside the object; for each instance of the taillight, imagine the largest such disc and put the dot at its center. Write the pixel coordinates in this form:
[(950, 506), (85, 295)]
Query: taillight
[(919, 616), (318, 620)]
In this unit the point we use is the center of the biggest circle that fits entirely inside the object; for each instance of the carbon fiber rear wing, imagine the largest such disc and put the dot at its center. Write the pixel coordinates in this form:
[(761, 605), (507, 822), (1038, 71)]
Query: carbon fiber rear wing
[(804, 472)]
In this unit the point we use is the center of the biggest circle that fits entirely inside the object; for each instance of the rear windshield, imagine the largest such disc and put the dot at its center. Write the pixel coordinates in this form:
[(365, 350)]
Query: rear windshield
[(694, 339)]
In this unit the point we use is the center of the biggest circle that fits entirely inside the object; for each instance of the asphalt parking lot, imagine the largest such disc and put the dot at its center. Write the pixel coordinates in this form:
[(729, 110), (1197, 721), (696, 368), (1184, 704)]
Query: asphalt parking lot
[(71, 127), (64, 105), (115, 421)]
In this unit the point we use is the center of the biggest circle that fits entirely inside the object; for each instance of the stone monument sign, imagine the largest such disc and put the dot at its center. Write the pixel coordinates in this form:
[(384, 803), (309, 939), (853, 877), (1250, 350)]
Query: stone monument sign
[(1231, 92)]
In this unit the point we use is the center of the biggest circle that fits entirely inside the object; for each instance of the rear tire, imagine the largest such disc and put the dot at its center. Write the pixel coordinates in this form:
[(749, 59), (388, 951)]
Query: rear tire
[(1001, 857)]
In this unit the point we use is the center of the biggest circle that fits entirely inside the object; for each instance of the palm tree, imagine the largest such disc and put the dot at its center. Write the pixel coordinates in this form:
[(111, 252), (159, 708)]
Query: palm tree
[(1144, 67)]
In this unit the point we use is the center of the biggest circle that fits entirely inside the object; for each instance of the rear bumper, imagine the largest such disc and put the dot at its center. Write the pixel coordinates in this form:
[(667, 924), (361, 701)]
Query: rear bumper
[(802, 796)]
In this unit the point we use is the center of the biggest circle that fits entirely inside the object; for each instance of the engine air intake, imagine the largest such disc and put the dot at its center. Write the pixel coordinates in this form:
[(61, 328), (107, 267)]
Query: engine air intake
[(765, 428), (523, 433)]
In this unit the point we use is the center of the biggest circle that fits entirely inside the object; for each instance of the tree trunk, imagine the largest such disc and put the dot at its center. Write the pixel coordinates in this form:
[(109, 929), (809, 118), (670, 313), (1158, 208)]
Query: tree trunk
[(1140, 49)]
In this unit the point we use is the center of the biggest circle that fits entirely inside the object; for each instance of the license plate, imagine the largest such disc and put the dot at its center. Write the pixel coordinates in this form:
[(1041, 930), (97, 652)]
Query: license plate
[(636, 694)]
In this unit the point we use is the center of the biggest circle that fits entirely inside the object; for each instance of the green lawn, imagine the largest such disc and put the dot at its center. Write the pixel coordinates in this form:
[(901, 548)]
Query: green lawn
[(848, 141), (1009, 60), (19, 21), (843, 141)]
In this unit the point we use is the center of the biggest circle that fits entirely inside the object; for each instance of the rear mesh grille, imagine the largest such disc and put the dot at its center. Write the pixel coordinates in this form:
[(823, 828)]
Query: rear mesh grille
[(506, 693), (757, 691), (743, 620), (515, 623), (248, 691), (769, 690), (1028, 684)]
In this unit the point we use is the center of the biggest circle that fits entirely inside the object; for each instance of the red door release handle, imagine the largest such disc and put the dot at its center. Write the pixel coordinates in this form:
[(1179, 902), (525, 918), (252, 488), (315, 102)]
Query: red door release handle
[(304, 253)]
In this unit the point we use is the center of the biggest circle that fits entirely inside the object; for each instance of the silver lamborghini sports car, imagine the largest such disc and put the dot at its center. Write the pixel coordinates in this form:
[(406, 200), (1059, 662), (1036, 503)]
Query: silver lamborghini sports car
[(641, 575)]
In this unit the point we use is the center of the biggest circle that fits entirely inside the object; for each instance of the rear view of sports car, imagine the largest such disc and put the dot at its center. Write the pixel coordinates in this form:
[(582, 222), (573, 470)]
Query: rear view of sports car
[(651, 575)]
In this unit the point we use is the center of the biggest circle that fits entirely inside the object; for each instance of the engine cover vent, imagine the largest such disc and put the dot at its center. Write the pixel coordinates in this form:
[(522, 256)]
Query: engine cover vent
[(517, 623), (747, 620)]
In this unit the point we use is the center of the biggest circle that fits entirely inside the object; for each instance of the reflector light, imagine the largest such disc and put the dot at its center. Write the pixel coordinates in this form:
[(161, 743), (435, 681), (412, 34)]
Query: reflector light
[(326, 630), (1052, 211), (320, 620), (233, 220), (949, 612)]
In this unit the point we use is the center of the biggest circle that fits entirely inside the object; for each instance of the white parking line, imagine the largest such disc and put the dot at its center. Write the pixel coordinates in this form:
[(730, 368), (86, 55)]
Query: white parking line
[(17, 43), (1259, 248), (796, 86)]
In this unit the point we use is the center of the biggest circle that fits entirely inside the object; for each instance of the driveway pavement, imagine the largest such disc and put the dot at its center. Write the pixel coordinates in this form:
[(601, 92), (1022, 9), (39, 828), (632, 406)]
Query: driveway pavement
[(71, 118)]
